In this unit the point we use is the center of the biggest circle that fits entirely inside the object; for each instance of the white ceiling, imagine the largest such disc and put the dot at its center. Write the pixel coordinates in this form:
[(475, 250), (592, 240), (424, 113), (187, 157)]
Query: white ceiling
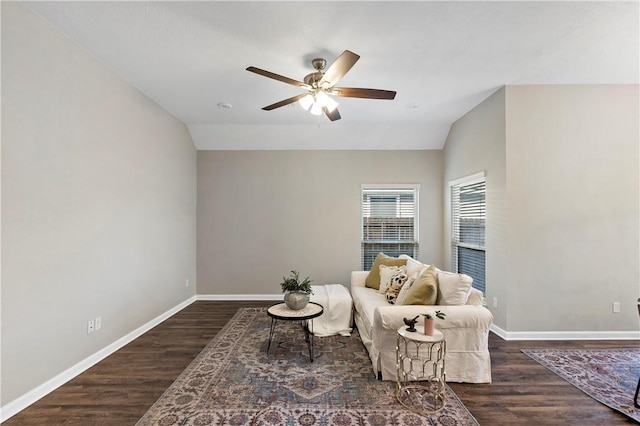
[(442, 58)]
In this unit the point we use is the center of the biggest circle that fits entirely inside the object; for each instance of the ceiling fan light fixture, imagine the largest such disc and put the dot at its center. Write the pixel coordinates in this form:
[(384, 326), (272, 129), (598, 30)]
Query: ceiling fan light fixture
[(326, 101), (306, 102), (316, 109), (331, 104)]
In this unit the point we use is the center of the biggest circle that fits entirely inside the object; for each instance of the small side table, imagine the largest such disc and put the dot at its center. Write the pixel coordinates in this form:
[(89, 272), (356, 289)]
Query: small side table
[(420, 370), (304, 315)]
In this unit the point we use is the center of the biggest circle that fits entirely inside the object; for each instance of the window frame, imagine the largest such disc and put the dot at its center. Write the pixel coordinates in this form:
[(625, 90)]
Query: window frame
[(414, 189), (455, 226)]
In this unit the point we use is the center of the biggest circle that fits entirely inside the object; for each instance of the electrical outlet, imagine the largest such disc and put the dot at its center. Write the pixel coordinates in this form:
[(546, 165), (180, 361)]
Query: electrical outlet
[(495, 302), (616, 307), (98, 323), (90, 327), (186, 283)]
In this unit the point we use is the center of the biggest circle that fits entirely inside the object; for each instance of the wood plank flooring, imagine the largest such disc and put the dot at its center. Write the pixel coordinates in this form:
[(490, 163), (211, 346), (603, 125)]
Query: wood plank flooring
[(120, 389)]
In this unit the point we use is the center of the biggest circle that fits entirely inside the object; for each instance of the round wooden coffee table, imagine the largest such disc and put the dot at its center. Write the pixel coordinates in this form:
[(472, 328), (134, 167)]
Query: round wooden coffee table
[(305, 316)]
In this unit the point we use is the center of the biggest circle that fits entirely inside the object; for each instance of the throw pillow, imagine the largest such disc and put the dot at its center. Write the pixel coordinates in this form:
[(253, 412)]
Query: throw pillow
[(397, 282), (424, 290), (405, 288), (386, 273), (413, 266), (453, 289), (373, 279), (403, 291)]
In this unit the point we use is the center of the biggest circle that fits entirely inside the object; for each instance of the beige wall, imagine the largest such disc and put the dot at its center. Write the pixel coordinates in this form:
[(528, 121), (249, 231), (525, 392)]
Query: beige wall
[(99, 192), (476, 143), (98, 204), (264, 213), (573, 207), (563, 232)]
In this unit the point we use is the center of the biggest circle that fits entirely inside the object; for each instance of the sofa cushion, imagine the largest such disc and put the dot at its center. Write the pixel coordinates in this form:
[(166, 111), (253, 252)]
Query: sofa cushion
[(386, 274), (373, 279), (453, 289), (366, 301), (424, 289), (396, 284)]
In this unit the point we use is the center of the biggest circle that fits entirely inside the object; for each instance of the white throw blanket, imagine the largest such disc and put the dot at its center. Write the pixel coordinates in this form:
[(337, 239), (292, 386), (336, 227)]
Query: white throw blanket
[(337, 303)]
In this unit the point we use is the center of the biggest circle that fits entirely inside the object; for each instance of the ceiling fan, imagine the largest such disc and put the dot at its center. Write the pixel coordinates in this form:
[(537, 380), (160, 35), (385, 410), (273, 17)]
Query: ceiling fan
[(321, 86)]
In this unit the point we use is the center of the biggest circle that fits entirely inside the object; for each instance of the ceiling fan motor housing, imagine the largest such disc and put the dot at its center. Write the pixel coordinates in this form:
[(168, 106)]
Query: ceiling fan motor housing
[(319, 63), (313, 78)]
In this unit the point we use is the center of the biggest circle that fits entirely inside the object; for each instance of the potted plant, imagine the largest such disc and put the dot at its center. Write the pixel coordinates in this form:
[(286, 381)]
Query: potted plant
[(296, 292), (429, 321)]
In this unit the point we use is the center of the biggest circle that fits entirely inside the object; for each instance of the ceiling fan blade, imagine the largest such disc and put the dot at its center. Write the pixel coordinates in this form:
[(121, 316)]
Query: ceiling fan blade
[(278, 77), (332, 115), (285, 102), (356, 92), (339, 68)]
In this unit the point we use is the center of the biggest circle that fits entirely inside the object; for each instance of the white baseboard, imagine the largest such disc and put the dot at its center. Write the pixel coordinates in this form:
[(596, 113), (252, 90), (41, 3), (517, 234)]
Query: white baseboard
[(275, 296), (22, 402), (565, 335)]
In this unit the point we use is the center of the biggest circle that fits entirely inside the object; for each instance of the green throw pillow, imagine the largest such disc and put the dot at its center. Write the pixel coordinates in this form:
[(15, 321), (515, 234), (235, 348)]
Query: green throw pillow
[(373, 279), (424, 290)]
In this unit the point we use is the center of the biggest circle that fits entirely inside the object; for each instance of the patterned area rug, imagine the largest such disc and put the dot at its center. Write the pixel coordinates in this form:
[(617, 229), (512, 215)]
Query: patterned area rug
[(233, 382), (609, 376)]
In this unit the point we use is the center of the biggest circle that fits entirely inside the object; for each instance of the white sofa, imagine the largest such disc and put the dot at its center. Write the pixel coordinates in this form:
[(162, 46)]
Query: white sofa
[(465, 328)]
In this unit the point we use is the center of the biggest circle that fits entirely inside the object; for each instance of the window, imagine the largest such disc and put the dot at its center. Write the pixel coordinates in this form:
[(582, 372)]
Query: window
[(468, 228), (389, 221)]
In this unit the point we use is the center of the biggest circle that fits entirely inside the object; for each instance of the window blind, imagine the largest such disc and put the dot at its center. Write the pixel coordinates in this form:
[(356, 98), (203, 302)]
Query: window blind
[(468, 207), (389, 222)]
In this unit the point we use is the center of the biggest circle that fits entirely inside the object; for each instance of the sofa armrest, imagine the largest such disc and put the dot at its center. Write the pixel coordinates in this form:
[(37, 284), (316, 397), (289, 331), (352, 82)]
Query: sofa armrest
[(465, 328), (476, 298), (458, 316), (358, 278)]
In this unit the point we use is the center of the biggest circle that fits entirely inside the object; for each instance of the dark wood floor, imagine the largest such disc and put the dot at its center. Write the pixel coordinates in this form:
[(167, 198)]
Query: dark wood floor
[(120, 389)]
